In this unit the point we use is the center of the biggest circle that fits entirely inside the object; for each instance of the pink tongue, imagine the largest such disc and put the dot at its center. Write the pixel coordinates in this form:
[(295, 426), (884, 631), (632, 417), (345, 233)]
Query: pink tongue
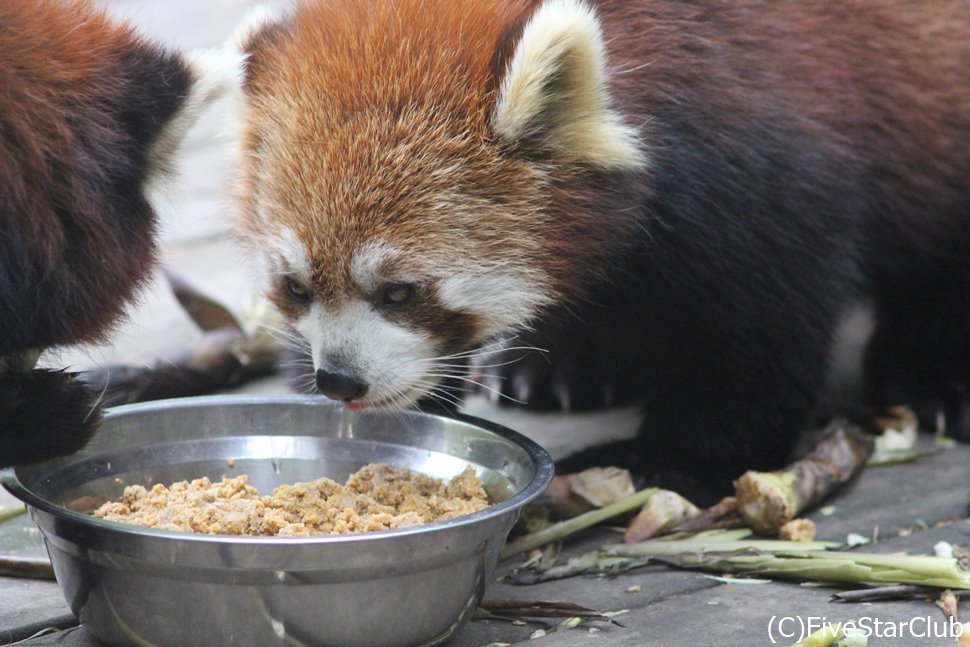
[(354, 407)]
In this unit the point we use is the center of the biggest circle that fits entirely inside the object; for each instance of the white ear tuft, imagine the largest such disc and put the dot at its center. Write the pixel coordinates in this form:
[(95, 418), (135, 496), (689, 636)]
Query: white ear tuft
[(555, 89), (214, 73), (256, 20)]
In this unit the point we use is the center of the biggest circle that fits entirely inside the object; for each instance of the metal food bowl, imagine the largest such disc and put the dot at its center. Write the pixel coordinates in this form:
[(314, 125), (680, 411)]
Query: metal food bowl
[(413, 586)]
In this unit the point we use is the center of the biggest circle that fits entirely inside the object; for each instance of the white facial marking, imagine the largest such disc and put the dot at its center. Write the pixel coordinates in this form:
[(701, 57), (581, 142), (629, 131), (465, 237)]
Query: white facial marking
[(278, 253), (287, 246), (365, 267), (357, 340), (502, 300)]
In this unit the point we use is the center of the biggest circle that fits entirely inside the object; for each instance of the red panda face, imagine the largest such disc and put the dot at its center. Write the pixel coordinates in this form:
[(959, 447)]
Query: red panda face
[(392, 260), (406, 180)]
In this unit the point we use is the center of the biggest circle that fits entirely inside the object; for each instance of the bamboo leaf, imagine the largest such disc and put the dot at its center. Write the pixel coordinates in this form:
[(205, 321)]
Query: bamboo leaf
[(824, 637)]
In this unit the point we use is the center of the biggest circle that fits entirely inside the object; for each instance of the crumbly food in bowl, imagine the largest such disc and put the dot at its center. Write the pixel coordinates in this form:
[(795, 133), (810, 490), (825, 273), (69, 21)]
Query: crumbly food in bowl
[(376, 497)]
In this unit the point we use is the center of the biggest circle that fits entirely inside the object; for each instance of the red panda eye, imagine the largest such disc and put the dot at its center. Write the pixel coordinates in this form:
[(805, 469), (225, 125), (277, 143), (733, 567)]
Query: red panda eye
[(398, 294), (296, 290)]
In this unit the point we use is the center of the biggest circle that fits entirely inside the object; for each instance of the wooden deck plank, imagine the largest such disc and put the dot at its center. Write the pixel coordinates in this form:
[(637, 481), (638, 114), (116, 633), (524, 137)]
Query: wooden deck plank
[(698, 610), (740, 615)]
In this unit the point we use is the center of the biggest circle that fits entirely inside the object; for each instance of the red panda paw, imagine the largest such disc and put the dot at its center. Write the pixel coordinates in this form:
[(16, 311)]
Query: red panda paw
[(956, 412), (45, 414), (948, 413), (919, 356), (703, 487)]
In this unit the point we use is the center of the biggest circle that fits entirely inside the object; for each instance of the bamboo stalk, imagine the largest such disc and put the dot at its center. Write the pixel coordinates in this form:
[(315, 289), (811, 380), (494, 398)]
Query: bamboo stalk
[(12, 513), (660, 514), (34, 568), (568, 527), (663, 548), (768, 500), (732, 552), (832, 566)]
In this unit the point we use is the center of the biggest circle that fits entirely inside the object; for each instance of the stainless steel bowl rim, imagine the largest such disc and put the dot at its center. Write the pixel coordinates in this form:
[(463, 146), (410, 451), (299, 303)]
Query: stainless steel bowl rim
[(130, 584), (540, 458)]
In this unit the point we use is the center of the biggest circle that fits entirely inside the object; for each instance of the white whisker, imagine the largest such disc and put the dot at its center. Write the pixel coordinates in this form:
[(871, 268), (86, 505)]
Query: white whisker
[(287, 338), (99, 399)]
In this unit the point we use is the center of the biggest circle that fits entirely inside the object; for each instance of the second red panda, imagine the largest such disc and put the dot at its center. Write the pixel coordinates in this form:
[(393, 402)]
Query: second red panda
[(679, 199), (90, 116)]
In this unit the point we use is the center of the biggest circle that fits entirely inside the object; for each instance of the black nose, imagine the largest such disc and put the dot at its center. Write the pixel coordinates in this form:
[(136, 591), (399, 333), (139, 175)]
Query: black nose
[(338, 386)]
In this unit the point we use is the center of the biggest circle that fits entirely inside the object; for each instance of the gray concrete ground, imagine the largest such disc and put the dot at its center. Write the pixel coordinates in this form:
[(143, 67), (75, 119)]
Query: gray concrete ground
[(671, 608)]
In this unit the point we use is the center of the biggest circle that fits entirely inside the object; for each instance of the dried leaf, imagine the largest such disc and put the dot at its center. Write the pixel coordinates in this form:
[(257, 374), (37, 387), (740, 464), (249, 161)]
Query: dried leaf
[(602, 486), (882, 593), (722, 515), (560, 500), (207, 313), (662, 512), (540, 609)]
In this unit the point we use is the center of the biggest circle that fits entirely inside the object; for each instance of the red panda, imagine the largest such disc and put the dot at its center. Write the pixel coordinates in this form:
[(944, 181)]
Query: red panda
[(90, 115), (680, 199)]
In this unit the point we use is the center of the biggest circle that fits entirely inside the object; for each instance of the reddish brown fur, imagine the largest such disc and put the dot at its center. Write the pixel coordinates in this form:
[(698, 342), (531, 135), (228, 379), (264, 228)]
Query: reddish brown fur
[(83, 100), (348, 144), (45, 76), (804, 67), (70, 172)]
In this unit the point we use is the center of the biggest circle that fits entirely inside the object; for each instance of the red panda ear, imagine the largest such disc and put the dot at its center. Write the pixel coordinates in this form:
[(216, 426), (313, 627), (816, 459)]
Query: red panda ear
[(554, 90), (257, 33), (212, 73)]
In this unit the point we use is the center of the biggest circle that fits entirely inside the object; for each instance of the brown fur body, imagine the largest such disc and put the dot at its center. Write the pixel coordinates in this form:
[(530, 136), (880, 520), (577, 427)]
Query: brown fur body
[(799, 157), (82, 101)]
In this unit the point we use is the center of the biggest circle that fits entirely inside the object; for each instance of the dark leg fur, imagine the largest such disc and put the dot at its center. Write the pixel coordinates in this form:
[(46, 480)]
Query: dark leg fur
[(729, 377), (919, 354), (45, 414), (722, 394), (713, 414), (704, 428)]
